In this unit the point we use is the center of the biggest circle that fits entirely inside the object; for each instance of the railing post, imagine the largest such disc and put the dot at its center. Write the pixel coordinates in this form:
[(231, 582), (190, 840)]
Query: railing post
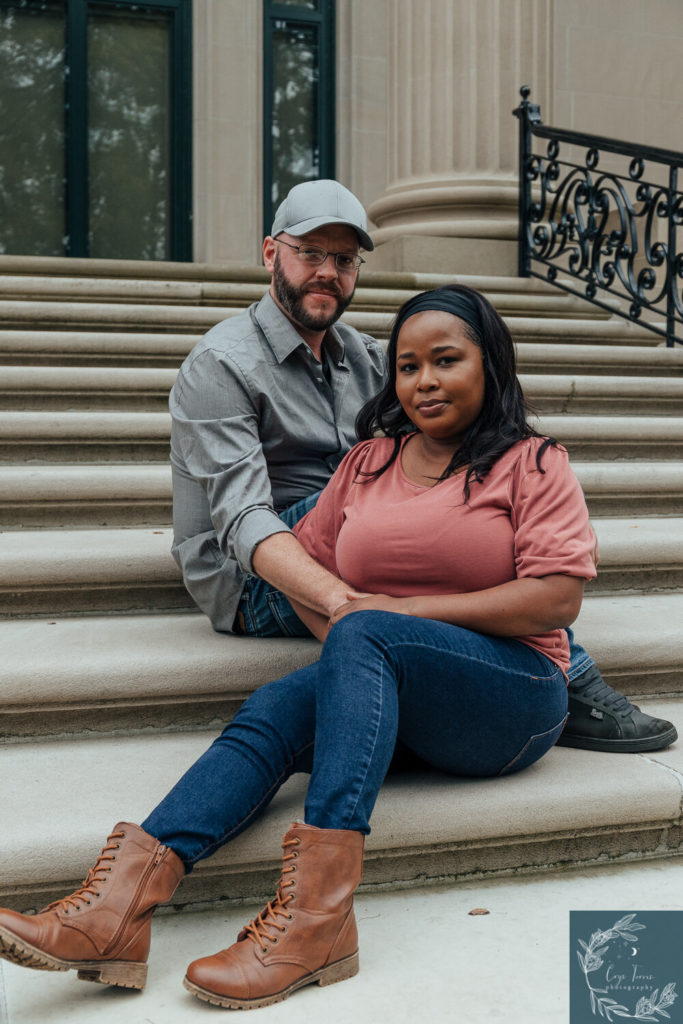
[(527, 113), (671, 259)]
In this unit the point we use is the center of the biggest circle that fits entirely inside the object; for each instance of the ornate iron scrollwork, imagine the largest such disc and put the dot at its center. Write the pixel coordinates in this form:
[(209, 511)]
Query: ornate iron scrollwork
[(613, 229)]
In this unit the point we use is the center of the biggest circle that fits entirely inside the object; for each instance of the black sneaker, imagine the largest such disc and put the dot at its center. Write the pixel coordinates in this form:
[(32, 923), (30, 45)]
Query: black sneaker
[(602, 719)]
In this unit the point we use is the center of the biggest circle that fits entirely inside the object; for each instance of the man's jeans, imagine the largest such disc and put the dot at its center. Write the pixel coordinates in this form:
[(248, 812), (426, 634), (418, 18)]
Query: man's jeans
[(465, 703), (267, 612)]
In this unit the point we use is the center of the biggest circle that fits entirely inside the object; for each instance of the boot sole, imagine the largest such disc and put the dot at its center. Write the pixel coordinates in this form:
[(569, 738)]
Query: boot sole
[(341, 970), (636, 745), (111, 972)]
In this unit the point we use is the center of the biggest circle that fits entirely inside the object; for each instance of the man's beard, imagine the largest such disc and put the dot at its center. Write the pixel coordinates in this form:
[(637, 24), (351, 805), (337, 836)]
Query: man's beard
[(291, 299)]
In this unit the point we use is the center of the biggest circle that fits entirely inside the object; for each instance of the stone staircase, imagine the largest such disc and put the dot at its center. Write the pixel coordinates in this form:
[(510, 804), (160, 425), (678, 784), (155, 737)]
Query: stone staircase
[(111, 684)]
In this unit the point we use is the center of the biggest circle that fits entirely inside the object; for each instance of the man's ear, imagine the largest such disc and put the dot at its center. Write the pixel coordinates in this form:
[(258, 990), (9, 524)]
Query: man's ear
[(269, 253)]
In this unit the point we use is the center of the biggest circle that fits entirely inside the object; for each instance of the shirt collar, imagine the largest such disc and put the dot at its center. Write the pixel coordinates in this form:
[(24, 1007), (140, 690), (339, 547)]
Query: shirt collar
[(283, 337)]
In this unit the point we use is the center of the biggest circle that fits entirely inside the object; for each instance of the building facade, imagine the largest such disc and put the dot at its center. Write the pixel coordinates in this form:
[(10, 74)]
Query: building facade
[(187, 119)]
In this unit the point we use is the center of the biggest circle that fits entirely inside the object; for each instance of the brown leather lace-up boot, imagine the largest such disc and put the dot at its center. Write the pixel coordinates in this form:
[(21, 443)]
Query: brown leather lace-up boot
[(306, 934), (103, 929)]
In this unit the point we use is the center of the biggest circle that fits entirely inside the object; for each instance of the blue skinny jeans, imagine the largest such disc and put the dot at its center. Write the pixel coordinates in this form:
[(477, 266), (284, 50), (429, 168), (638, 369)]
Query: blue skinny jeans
[(464, 703)]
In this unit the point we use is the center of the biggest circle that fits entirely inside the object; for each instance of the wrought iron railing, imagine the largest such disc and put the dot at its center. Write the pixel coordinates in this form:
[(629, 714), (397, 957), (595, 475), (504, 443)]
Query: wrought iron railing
[(608, 236)]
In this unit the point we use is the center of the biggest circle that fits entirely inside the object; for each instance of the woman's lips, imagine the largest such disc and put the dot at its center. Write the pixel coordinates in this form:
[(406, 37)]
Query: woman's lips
[(431, 408)]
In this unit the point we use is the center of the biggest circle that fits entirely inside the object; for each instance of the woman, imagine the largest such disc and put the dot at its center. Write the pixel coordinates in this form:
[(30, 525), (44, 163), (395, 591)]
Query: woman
[(468, 535)]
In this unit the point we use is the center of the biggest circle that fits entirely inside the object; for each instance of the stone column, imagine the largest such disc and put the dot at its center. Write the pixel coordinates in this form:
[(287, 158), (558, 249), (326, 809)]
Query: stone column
[(455, 71), (227, 159)]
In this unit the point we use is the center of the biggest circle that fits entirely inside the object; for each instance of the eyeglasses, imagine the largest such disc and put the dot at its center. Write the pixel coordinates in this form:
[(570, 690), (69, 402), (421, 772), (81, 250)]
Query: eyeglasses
[(313, 255)]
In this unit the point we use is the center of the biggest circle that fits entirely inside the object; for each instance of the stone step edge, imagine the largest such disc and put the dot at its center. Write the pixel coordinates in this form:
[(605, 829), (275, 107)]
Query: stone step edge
[(52, 662), (53, 427), (172, 346), (83, 315), (17, 381), (120, 555), (120, 481), (141, 270), (426, 828), (368, 295)]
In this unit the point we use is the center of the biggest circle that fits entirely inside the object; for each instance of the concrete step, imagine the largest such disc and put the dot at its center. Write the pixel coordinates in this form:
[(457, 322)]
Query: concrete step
[(125, 569), (585, 331), (59, 495), (378, 298), (542, 354), (199, 283), (84, 437), (585, 393), (87, 495), (102, 675), (126, 316), (426, 827), (119, 316), (20, 320), (59, 288), (92, 436), (599, 438), (605, 360), (95, 348), (639, 553), (88, 570), (27, 300), (62, 388), (47, 267), (115, 674), (137, 270), (632, 488)]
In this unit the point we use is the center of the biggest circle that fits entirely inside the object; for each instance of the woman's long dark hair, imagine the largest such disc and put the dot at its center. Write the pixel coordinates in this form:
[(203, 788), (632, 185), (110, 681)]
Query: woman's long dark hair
[(503, 417)]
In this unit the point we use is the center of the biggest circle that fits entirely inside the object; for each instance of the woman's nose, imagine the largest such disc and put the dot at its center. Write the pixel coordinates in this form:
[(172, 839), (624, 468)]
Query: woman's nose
[(426, 379)]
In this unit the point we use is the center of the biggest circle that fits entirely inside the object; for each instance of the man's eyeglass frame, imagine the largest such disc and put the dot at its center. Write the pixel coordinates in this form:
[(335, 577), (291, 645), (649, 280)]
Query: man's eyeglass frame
[(316, 256)]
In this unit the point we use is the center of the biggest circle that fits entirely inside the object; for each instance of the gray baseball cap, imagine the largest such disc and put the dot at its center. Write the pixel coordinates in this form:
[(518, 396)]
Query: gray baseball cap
[(312, 204)]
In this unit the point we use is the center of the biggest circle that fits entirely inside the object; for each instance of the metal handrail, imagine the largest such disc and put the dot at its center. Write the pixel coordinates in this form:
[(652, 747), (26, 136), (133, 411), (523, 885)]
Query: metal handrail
[(602, 228)]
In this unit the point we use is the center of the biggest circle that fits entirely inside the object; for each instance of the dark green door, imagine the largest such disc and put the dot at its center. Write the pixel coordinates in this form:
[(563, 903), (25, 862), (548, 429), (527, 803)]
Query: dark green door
[(299, 96)]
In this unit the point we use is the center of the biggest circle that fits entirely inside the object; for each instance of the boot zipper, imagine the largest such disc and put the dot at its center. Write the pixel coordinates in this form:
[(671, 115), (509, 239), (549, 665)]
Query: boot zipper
[(158, 856)]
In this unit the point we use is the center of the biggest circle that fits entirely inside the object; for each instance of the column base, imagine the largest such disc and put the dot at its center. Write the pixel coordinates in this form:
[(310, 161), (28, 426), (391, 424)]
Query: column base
[(432, 254)]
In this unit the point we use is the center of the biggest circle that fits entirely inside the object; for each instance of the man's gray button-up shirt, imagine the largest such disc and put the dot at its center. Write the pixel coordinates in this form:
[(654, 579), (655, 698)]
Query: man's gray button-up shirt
[(256, 426)]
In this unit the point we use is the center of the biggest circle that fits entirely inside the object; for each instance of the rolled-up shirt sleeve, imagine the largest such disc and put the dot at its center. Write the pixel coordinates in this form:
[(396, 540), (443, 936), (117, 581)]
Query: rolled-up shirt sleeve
[(549, 516), (215, 442)]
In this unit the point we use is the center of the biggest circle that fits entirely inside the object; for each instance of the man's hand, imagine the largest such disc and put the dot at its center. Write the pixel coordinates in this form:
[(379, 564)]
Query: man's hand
[(357, 602), (320, 625)]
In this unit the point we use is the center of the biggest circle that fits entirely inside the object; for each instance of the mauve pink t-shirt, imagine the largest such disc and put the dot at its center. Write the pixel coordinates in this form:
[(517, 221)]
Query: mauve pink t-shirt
[(393, 536)]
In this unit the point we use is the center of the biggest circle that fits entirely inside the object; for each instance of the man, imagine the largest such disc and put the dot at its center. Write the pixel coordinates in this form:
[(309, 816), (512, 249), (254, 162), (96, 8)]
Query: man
[(263, 411)]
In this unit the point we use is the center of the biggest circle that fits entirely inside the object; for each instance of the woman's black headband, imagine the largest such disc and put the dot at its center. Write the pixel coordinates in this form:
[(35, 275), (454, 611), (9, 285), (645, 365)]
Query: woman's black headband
[(457, 303)]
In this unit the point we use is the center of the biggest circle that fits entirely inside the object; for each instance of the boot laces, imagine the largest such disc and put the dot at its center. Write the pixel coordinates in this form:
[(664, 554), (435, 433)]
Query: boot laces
[(96, 876), (258, 929), (600, 693)]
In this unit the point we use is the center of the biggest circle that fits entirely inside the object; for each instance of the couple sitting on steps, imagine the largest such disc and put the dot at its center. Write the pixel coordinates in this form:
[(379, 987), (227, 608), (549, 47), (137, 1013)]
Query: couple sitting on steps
[(441, 560)]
